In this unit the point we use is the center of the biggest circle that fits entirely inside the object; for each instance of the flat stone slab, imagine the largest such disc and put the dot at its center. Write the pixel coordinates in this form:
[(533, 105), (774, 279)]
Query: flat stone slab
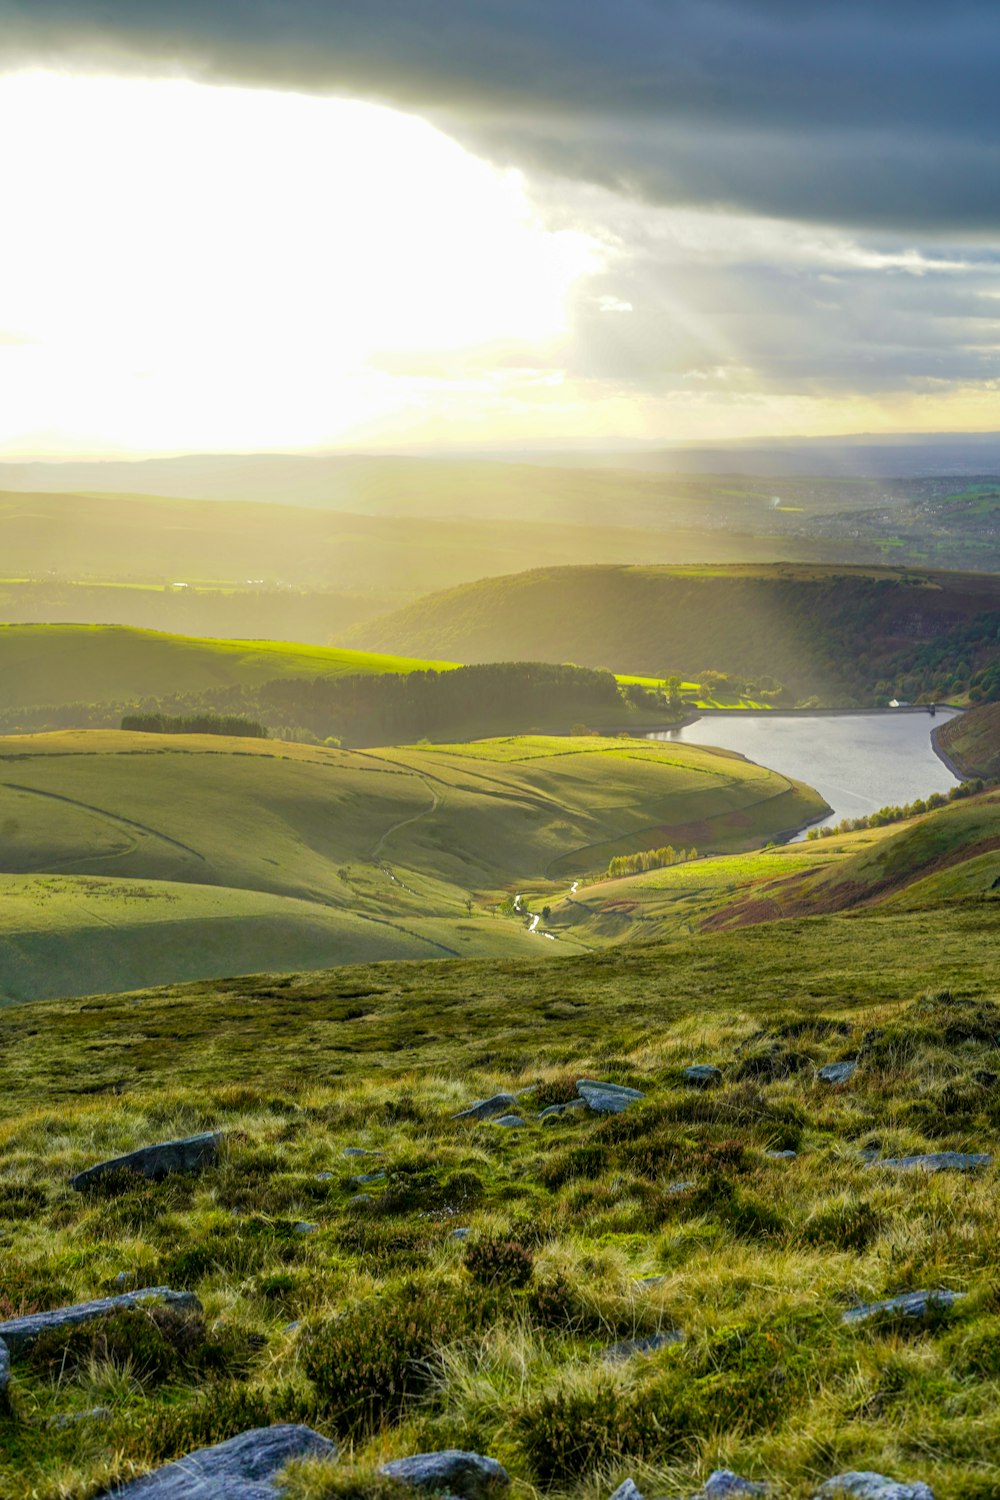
[(781, 1155), (723, 1483), (627, 1491), (702, 1076), (468, 1476), (191, 1154), (936, 1161), (908, 1305), (366, 1177), (607, 1098), (509, 1122), (360, 1151), (838, 1072), (866, 1485), (19, 1333), (618, 1354), (485, 1109), (244, 1468)]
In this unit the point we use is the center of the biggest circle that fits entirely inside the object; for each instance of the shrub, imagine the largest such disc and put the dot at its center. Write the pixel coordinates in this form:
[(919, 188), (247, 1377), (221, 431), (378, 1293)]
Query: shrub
[(155, 1342), (228, 1411), (555, 1091), (369, 1364), (568, 1432), (499, 1262), (847, 1224)]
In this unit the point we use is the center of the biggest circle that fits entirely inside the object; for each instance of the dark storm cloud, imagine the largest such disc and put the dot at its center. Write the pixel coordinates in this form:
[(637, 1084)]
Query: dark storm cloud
[(866, 112)]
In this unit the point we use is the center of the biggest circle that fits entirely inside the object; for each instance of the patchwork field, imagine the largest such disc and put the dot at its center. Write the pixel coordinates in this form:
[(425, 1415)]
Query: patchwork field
[(400, 852)]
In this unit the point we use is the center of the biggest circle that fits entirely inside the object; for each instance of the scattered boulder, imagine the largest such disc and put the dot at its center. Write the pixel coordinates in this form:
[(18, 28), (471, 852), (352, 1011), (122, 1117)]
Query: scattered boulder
[(244, 1468), (460, 1234), (553, 1111), (360, 1200), (360, 1151), (192, 1154), (607, 1098), (702, 1076), (323, 1176), (366, 1177), (304, 1227), (485, 1109), (509, 1122), (19, 1333), (679, 1187), (65, 1419), (4, 1366), (723, 1483), (838, 1072), (865, 1485), (627, 1491), (908, 1305), (618, 1354), (935, 1161), (781, 1155), (467, 1476)]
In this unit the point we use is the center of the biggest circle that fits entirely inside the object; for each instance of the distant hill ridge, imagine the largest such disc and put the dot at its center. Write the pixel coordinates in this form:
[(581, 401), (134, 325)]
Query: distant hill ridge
[(832, 630)]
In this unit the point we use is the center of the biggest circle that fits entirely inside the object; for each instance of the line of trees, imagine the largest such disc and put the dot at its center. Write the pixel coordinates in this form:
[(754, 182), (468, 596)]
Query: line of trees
[(231, 724), (648, 859), (896, 813)]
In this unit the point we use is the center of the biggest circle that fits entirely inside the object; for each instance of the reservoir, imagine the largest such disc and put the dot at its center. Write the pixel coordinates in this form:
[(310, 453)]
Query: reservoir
[(857, 762)]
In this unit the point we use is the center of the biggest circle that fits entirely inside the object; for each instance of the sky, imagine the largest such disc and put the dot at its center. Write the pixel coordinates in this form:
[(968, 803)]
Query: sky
[(236, 225)]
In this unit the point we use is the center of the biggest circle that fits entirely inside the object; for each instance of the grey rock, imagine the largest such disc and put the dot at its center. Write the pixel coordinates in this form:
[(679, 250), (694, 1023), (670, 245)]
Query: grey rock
[(360, 1151), (607, 1098), (20, 1333), (468, 1476), (679, 1187), (781, 1155), (485, 1109), (124, 1278), (553, 1111), (627, 1491), (4, 1366), (865, 1485), (618, 1354), (936, 1161), (192, 1154), (460, 1234), (838, 1072), (908, 1305), (244, 1468), (292, 1327), (323, 1176), (702, 1076), (304, 1227), (359, 1200), (723, 1483), (367, 1177), (527, 1091), (73, 1418), (509, 1122), (651, 1280)]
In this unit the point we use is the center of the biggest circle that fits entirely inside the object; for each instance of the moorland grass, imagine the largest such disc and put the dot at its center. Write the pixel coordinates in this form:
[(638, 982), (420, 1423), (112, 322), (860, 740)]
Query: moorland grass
[(382, 1330)]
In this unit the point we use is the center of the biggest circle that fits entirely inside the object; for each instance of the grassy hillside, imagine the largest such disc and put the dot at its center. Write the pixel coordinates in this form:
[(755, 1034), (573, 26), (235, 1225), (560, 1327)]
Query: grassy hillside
[(368, 1320), (952, 854), (837, 632), (972, 741), (92, 663), (389, 853)]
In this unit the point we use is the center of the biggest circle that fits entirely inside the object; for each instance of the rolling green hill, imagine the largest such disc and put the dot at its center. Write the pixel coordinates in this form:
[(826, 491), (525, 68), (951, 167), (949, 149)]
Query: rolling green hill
[(972, 740), (388, 853), (929, 862), (744, 1221), (96, 663), (841, 633)]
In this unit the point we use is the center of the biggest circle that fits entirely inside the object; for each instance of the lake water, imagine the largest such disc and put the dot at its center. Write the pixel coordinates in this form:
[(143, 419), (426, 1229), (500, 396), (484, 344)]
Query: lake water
[(857, 762)]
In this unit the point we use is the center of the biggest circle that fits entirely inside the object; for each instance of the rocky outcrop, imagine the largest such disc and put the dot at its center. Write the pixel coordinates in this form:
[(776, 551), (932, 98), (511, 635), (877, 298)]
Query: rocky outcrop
[(467, 1476), (702, 1076), (864, 1485), (618, 1354), (723, 1484), (485, 1109), (607, 1098), (907, 1305), (244, 1468), (21, 1333), (192, 1154), (837, 1072), (936, 1161)]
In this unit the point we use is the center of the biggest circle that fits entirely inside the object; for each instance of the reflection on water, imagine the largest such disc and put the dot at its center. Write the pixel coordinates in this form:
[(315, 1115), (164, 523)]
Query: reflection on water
[(857, 762)]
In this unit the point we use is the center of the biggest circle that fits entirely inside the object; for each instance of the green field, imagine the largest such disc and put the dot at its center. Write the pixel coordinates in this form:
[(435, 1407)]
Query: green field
[(377, 1328), (92, 663), (358, 854)]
